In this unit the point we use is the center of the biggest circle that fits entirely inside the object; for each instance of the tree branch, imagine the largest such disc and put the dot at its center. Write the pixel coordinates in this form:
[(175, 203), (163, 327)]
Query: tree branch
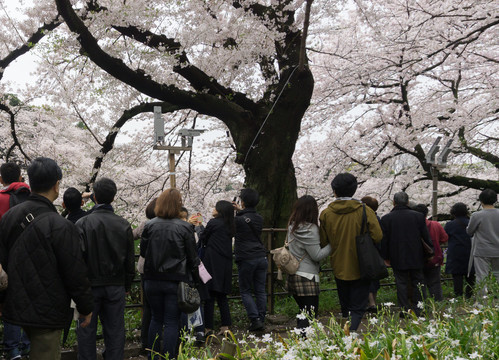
[(13, 133), (108, 144), (206, 104), (32, 40), (493, 159), (306, 22)]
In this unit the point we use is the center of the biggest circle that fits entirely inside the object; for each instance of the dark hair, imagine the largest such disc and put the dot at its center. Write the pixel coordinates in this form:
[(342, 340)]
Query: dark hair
[(150, 209), (104, 191), (422, 208), (488, 197), (43, 174), (371, 202), (250, 197), (168, 204), (225, 210), (10, 172), (344, 185), (72, 199), (401, 198), (459, 210), (305, 210)]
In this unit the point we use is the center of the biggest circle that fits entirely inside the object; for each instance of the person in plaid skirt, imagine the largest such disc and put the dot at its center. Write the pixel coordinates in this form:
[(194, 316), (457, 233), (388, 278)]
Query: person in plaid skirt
[(304, 243)]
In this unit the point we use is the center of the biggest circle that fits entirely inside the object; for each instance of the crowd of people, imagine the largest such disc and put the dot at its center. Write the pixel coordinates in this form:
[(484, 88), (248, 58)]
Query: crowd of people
[(82, 267)]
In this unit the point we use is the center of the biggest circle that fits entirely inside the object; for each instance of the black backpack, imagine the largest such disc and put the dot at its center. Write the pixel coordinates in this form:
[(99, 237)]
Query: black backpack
[(18, 196)]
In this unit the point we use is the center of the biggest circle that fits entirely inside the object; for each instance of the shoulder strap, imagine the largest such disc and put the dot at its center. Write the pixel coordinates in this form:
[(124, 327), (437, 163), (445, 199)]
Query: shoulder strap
[(28, 220), (247, 220), (364, 220)]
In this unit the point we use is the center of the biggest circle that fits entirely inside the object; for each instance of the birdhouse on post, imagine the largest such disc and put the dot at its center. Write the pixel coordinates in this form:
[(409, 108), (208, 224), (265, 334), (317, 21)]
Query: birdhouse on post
[(186, 136)]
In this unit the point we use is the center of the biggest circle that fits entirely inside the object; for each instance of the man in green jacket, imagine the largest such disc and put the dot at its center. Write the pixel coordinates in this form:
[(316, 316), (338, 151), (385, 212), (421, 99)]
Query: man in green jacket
[(340, 223)]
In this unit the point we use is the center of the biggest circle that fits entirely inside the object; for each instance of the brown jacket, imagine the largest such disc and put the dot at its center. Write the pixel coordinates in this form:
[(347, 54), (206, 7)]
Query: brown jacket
[(340, 223)]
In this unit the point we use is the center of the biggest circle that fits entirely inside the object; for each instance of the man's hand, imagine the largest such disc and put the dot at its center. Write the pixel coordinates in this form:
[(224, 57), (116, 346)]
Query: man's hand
[(387, 263), (236, 206), (85, 320)]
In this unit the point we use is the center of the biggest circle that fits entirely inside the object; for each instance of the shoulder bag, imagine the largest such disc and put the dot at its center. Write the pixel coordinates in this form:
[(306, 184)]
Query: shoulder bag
[(371, 264), (285, 261)]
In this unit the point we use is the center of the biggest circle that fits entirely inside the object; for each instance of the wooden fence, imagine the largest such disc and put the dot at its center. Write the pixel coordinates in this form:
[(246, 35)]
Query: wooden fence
[(269, 238)]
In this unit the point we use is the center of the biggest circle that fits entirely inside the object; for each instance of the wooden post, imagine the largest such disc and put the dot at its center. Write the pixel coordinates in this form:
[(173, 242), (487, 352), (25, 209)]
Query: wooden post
[(270, 274), (434, 200), (173, 182)]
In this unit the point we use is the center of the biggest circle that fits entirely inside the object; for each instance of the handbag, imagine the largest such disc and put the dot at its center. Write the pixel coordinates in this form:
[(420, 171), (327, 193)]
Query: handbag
[(188, 298), (285, 261), (371, 264), (427, 251)]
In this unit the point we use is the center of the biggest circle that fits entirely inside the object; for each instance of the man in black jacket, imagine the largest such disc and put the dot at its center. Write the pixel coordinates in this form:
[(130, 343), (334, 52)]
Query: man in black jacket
[(403, 232), (40, 251), (108, 250), (251, 258)]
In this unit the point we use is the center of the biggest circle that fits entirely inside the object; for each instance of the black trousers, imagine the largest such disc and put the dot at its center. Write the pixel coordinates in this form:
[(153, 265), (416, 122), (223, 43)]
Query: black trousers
[(410, 288), (209, 309), (309, 305), (146, 317), (433, 282), (353, 296), (459, 280)]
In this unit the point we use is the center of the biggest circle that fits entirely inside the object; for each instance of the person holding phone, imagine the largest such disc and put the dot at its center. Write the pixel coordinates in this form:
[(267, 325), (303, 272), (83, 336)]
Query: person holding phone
[(251, 258)]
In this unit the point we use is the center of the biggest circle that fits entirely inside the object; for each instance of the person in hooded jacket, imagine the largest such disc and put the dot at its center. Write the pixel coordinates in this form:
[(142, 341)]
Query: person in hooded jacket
[(16, 342), (340, 223), (304, 244), (12, 181)]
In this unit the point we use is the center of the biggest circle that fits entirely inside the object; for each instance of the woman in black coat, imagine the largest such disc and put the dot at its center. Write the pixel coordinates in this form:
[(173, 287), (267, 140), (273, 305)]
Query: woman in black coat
[(216, 241), (458, 252)]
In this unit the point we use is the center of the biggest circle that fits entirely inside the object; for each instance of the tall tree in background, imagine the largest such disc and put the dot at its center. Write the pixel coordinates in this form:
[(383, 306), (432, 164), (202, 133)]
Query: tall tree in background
[(205, 56), (403, 73), (389, 77)]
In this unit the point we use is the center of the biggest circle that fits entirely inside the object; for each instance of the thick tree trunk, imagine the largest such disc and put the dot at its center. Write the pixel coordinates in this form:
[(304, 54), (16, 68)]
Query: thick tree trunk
[(268, 163), (264, 132)]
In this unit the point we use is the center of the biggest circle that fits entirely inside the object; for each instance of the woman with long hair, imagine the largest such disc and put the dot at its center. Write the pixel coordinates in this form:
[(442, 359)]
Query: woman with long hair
[(169, 249), (216, 240), (304, 244)]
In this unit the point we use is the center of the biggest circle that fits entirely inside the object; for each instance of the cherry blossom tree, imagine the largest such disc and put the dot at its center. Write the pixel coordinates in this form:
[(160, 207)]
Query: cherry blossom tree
[(383, 79), (237, 61), (397, 75)]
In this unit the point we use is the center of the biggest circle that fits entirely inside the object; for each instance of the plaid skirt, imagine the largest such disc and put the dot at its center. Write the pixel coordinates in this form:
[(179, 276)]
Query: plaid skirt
[(300, 286)]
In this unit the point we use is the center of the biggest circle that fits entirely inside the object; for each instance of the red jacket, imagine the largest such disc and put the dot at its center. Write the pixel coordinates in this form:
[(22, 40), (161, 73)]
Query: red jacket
[(438, 236), (5, 198)]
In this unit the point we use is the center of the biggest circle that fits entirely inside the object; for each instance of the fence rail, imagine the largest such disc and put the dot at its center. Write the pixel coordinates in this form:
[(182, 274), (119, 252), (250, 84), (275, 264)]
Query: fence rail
[(269, 240)]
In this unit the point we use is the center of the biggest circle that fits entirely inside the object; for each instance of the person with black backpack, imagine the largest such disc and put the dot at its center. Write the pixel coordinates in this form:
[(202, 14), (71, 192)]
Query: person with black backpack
[(14, 191)]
